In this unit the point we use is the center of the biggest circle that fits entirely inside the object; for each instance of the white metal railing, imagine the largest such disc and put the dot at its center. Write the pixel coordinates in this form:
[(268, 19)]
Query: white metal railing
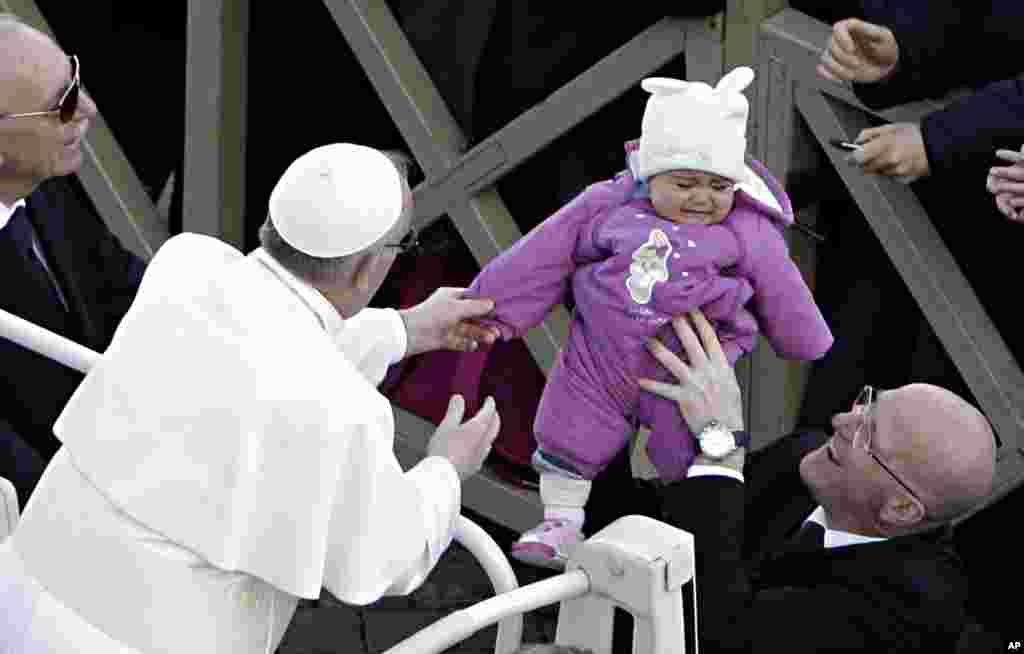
[(503, 579), (43, 341), (606, 571), (462, 624)]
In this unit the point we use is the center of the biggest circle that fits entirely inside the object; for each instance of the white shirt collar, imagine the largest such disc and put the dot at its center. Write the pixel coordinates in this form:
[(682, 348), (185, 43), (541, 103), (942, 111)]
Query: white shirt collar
[(329, 318), (835, 537), (6, 212)]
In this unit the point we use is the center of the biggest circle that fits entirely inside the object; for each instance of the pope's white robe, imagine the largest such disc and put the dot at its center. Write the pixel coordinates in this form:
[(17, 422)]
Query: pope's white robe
[(227, 455)]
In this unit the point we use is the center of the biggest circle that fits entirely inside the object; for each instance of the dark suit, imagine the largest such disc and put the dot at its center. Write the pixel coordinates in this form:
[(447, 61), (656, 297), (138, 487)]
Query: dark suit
[(943, 46), (905, 594), (99, 279)]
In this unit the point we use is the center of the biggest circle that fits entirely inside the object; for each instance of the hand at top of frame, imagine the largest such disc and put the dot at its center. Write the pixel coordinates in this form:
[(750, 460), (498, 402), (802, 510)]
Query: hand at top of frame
[(859, 51)]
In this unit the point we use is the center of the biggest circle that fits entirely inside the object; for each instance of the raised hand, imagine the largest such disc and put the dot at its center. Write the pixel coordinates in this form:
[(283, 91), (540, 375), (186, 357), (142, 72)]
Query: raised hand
[(859, 51), (466, 444)]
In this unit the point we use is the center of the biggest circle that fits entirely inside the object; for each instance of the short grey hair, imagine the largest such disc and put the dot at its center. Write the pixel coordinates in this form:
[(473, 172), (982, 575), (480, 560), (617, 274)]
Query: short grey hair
[(320, 269)]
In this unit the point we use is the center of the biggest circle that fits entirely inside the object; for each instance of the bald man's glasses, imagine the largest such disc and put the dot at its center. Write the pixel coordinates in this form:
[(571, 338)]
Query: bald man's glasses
[(864, 405), (67, 107)]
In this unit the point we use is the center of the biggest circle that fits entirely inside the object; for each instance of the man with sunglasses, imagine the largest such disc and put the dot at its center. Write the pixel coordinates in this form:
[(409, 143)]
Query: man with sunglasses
[(60, 265), (819, 544)]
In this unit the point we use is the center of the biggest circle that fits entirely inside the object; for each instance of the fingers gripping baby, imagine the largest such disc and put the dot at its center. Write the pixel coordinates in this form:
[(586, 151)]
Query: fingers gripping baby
[(689, 224)]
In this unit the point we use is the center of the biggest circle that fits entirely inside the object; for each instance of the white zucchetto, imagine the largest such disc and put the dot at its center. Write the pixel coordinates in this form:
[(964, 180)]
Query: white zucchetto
[(336, 200)]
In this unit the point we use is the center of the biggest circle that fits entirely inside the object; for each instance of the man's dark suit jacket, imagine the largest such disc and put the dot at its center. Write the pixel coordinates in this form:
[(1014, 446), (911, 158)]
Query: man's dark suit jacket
[(906, 594), (99, 279), (950, 45), (943, 46)]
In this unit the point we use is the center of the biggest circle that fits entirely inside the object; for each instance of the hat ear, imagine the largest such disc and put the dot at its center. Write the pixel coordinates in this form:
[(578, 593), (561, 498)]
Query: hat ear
[(664, 85), (736, 80)]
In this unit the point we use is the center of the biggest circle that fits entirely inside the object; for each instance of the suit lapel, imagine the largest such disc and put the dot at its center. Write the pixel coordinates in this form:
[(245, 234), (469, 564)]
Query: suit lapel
[(57, 232), (790, 518), (851, 563), (777, 499)]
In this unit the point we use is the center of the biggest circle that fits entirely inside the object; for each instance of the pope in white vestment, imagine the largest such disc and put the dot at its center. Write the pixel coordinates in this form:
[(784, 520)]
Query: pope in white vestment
[(228, 455)]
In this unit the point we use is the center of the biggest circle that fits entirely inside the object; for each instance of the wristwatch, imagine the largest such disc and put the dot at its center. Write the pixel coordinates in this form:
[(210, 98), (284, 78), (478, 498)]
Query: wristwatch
[(718, 442)]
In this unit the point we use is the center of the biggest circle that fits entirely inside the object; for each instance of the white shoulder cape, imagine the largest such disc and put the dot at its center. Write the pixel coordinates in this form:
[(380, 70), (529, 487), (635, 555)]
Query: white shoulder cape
[(224, 417)]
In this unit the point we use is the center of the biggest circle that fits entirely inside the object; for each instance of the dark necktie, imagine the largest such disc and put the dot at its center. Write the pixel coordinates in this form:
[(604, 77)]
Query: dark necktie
[(809, 537), (22, 234), (33, 295)]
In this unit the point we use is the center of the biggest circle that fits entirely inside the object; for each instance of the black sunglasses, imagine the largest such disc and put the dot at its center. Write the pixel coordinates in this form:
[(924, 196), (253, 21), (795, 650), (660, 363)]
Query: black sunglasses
[(68, 105)]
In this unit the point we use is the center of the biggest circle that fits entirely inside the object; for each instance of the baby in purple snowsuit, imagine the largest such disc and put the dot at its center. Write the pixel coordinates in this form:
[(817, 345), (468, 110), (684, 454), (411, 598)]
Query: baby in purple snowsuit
[(687, 226)]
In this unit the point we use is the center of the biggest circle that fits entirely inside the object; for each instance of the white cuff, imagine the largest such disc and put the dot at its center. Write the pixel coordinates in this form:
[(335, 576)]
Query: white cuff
[(708, 471), (441, 490), (373, 340)]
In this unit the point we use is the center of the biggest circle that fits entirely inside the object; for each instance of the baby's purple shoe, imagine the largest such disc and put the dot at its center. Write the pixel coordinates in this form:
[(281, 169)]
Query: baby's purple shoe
[(546, 545)]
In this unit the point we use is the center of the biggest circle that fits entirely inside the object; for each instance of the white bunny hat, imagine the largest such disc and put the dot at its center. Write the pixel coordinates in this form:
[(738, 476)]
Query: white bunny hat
[(691, 125)]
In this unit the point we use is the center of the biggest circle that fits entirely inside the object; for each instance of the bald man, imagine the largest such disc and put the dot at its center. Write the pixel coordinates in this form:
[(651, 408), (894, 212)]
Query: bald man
[(61, 267), (823, 544)]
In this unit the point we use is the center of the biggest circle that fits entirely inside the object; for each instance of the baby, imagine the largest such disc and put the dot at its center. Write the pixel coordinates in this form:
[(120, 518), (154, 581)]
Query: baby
[(687, 226)]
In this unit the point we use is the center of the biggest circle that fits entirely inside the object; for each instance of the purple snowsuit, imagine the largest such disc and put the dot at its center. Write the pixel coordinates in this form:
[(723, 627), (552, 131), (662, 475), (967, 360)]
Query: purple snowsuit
[(631, 271)]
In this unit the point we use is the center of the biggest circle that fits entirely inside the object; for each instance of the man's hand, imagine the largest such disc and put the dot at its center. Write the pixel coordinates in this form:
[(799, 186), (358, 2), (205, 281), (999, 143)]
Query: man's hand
[(859, 52), (1007, 184), (466, 445), (895, 150), (708, 389), (445, 321)]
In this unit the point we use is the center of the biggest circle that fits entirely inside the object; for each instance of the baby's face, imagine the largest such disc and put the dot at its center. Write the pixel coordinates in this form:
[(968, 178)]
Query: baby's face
[(692, 196)]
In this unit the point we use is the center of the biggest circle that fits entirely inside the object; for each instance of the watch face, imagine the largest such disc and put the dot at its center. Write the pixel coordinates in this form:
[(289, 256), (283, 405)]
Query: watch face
[(717, 443)]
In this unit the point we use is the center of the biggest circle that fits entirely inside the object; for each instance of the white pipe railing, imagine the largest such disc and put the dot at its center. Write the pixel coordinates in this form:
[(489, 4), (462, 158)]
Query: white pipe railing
[(499, 571), (467, 533), (464, 623), (44, 342)]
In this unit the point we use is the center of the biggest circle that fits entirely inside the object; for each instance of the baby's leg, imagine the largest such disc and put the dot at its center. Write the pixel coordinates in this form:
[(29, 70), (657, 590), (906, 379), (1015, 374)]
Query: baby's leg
[(564, 495), (579, 431), (563, 491), (670, 446), (579, 427)]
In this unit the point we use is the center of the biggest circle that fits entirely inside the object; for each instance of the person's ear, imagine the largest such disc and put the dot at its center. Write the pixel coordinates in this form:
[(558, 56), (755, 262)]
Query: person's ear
[(902, 511)]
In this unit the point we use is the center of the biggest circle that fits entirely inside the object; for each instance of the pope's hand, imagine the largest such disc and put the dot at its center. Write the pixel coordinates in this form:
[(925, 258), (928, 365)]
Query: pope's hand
[(859, 51), (447, 321), (467, 444)]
